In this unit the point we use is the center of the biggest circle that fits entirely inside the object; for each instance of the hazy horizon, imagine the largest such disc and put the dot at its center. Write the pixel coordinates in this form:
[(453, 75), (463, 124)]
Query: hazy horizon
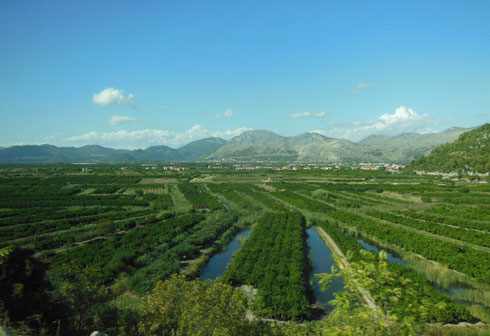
[(227, 139)]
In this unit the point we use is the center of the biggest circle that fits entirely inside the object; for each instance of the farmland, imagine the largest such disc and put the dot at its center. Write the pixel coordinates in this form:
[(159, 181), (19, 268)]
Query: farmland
[(106, 241)]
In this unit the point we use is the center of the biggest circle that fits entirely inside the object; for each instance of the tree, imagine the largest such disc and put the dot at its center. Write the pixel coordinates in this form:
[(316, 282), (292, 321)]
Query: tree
[(24, 292), (352, 316), (180, 307), (105, 227), (84, 292)]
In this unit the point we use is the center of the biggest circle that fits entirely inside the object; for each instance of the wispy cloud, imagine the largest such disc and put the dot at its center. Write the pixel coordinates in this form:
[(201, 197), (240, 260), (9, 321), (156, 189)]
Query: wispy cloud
[(228, 114), (150, 137), (402, 120), (16, 144), (319, 114), (111, 96), (321, 132), (230, 133), (362, 86), (116, 120), (52, 137)]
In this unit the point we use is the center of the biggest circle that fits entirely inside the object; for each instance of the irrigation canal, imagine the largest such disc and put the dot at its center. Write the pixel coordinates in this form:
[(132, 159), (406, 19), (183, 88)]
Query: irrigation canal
[(217, 264)]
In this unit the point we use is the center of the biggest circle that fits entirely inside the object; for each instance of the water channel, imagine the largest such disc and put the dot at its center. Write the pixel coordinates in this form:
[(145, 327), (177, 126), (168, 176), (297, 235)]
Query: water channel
[(322, 260), (451, 291), (217, 265), (391, 258)]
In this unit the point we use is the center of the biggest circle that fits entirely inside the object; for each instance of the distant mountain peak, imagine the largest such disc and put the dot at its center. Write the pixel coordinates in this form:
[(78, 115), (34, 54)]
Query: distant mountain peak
[(256, 136), (307, 138)]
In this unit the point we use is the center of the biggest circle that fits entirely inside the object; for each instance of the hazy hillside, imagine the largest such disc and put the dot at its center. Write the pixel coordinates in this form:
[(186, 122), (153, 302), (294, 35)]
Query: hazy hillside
[(306, 138), (470, 153), (251, 146), (197, 149), (316, 148), (253, 137), (94, 153), (407, 147)]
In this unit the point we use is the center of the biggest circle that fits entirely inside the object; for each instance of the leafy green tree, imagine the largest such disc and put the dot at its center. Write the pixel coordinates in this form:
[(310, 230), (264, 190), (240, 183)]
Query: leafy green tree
[(354, 316), (179, 307), (25, 293), (105, 227), (85, 294)]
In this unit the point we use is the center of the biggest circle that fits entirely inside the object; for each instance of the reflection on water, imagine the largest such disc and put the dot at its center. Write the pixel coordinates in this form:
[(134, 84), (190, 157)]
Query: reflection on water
[(391, 258), (322, 261), (217, 265)]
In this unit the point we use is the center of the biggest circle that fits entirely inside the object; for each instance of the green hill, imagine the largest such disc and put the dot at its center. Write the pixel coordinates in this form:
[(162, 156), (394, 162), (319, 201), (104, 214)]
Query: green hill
[(470, 153)]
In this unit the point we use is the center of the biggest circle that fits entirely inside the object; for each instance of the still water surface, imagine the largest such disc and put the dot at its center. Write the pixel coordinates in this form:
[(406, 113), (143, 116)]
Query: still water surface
[(322, 261), (217, 264)]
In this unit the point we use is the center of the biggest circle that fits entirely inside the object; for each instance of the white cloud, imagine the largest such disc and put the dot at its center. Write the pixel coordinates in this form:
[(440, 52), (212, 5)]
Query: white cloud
[(362, 86), (150, 137), (231, 133), (17, 144), (162, 107), (321, 132), (228, 114), (52, 137), (319, 114), (110, 96), (116, 120), (402, 120)]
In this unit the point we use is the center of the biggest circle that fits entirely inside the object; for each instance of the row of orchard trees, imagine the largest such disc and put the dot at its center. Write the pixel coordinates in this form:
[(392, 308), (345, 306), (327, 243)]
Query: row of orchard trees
[(461, 258), (274, 260), (469, 236), (199, 197)]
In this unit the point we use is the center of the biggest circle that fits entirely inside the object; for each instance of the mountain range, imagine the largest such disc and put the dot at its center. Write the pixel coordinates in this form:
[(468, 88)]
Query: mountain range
[(251, 147)]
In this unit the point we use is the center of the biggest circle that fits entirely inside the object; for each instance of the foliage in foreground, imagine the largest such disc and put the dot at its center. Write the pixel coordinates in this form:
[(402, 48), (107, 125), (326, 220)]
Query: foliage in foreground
[(178, 307)]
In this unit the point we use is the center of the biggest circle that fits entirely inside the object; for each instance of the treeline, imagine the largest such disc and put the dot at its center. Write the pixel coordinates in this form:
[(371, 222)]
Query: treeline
[(460, 258), (159, 202), (302, 202), (415, 292), (454, 221), (469, 236), (145, 253), (233, 192), (31, 229), (199, 197), (12, 217), (270, 203), (274, 260)]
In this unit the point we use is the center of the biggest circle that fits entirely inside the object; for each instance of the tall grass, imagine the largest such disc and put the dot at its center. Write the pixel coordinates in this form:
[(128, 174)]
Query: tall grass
[(436, 273)]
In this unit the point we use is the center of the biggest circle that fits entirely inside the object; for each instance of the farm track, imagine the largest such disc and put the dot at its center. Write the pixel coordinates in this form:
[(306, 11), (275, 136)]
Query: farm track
[(335, 249), (428, 234), (421, 232), (445, 224), (73, 229)]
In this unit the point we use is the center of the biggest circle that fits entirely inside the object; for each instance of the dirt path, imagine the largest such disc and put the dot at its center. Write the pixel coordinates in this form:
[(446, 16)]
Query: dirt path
[(335, 249)]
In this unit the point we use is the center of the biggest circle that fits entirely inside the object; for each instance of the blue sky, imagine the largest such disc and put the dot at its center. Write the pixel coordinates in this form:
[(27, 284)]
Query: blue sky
[(128, 74)]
